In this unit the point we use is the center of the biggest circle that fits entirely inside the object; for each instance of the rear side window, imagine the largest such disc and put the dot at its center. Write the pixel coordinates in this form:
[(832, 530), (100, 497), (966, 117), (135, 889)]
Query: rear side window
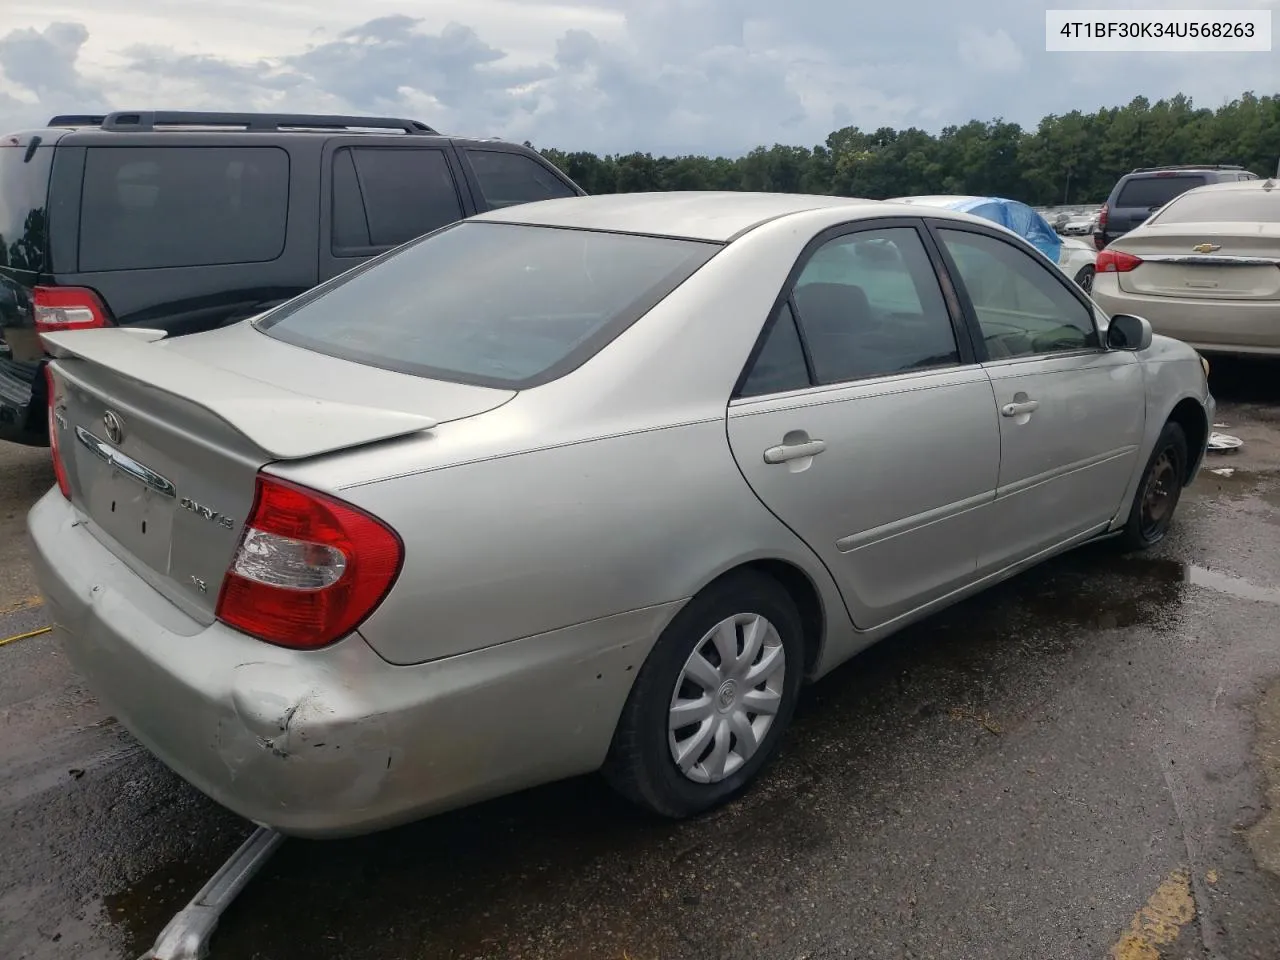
[(509, 178), (386, 196), (1223, 206), (1148, 192), (492, 304), (147, 207), (24, 191)]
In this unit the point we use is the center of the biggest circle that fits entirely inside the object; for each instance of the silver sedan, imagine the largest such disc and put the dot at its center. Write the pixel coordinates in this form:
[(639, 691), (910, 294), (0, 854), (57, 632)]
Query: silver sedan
[(593, 483)]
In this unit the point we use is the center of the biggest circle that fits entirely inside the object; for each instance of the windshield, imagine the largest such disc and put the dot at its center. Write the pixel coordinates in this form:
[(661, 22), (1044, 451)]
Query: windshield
[(492, 304), (1223, 206)]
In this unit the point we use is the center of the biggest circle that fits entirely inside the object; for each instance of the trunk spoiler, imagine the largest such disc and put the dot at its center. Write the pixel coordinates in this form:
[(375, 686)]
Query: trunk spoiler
[(284, 424)]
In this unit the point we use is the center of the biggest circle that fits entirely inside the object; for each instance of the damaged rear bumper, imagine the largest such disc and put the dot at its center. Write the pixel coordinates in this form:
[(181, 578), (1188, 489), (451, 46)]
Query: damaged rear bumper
[(332, 742)]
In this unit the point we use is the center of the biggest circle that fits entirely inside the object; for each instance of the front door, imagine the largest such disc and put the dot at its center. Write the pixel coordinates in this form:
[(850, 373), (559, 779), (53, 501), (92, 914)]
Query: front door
[(865, 425), (1071, 413)]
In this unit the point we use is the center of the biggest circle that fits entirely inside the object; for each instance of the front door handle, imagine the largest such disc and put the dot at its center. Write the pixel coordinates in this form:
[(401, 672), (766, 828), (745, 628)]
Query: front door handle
[(794, 451), (1018, 409)]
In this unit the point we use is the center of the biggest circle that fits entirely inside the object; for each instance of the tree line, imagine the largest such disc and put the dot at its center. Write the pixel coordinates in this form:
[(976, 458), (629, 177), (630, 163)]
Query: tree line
[(1074, 158)]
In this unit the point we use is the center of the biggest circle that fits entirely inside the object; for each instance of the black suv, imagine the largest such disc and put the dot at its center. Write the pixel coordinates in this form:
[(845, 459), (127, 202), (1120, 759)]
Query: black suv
[(188, 221), (1141, 193)]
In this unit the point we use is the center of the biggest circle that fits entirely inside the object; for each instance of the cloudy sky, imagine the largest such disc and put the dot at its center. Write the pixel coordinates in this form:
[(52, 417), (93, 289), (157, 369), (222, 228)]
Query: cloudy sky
[(667, 76)]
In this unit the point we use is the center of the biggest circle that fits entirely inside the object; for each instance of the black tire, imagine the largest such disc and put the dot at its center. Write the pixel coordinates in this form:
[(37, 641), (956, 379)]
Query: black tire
[(640, 765), (1084, 279), (1158, 492)]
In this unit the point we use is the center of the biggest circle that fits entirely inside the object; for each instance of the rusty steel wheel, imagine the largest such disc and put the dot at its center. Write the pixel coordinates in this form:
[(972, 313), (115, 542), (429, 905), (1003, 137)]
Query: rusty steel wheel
[(1159, 491)]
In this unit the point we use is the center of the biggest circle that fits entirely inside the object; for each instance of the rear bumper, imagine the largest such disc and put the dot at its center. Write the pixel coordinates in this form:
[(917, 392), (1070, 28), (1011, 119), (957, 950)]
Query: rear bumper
[(22, 413), (332, 742), (1244, 327)]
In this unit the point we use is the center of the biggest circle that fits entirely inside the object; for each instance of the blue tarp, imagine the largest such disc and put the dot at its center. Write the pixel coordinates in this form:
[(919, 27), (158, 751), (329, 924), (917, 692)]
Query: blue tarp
[(1016, 216)]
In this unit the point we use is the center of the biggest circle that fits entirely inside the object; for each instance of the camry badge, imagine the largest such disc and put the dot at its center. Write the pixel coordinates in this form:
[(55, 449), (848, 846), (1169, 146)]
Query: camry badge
[(1206, 247)]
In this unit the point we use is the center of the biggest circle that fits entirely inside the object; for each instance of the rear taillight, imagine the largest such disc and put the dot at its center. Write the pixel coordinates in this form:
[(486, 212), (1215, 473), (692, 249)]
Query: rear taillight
[(59, 468), (1116, 261), (67, 308), (309, 568), (1099, 231)]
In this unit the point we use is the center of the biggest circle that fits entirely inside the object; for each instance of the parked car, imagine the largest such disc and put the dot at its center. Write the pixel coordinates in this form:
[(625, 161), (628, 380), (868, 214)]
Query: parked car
[(1205, 269), (1074, 258), (1142, 192), (588, 483), (186, 221), (1080, 226)]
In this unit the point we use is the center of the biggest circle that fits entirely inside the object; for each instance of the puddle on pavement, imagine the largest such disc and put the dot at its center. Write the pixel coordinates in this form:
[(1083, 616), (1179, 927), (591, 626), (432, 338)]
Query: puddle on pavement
[(1231, 586), (1236, 485)]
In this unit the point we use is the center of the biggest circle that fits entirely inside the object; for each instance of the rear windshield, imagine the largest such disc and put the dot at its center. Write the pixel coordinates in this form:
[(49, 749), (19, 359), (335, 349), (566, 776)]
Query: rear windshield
[(24, 191), (492, 304), (1148, 192), (1223, 206), (147, 207)]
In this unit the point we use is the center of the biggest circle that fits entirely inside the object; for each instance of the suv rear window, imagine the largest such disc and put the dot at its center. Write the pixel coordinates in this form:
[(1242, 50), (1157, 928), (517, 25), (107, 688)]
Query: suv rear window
[(146, 207), (509, 178), (492, 304), (24, 192), (1223, 206), (1148, 192)]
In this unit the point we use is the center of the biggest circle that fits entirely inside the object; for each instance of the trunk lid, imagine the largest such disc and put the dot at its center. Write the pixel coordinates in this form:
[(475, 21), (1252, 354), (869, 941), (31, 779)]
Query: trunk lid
[(1207, 261), (163, 439)]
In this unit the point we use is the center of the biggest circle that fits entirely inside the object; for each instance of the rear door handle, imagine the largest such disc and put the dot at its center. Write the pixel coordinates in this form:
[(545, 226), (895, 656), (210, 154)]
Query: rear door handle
[(794, 451), (1017, 409)]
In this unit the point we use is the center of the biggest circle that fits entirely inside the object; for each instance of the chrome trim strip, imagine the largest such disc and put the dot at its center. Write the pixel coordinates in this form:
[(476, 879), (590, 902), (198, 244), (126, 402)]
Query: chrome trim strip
[(1207, 260), (125, 464)]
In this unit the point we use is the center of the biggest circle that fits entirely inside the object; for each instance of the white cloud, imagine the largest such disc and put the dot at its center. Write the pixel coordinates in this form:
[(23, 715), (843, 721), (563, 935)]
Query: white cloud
[(605, 75)]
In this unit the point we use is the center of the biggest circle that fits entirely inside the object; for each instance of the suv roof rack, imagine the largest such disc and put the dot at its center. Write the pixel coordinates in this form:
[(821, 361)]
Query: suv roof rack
[(77, 120), (1189, 166), (134, 121)]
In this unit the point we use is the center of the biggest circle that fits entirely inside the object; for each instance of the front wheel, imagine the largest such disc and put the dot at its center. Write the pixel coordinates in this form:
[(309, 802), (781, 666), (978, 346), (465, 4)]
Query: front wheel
[(1084, 279), (712, 701), (1158, 491)]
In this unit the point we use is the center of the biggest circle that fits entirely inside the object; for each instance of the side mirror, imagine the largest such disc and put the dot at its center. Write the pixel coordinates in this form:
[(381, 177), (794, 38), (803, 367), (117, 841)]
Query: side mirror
[(1126, 332)]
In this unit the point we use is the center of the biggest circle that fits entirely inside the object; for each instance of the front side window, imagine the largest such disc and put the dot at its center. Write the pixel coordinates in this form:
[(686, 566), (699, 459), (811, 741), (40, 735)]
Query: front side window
[(148, 207), (870, 305), (1022, 309), (507, 179), (493, 304), (386, 196)]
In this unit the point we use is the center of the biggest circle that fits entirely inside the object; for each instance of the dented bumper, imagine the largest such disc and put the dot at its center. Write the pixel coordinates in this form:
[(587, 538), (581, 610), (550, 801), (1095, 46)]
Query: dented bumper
[(333, 742)]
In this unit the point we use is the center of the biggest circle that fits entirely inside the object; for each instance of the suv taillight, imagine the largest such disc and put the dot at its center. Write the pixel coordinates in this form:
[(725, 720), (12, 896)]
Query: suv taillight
[(309, 568), (1115, 261), (59, 468), (67, 308), (1099, 232)]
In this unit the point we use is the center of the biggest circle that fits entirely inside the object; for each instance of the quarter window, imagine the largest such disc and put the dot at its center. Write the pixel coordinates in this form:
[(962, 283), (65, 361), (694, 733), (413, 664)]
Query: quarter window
[(869, 305), (1022, 309), (507, 179), (779, 366)]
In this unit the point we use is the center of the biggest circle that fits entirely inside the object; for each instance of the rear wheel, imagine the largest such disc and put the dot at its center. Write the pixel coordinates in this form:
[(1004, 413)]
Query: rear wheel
[(1084, 279), (1158, 492), (711, 703)]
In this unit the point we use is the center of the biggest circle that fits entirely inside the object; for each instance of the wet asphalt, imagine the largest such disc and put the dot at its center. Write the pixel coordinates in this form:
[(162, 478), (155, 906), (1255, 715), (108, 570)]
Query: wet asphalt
[(1076, 764)]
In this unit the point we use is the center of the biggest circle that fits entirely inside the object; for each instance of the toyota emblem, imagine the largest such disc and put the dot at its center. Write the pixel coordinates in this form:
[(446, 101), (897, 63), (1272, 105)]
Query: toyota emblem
[(115, 429)]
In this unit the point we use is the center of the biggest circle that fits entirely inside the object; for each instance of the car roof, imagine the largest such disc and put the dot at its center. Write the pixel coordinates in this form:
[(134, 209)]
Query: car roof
[(714, 216), (1226, 186)]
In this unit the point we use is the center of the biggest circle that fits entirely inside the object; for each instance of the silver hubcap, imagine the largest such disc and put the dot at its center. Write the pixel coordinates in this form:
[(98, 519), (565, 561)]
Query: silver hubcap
[(726, 697)]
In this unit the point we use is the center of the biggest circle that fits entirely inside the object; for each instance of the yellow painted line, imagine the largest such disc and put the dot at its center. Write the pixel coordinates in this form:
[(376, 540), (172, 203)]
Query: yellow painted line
[(27, 603), (25, 636), (1160, 920)]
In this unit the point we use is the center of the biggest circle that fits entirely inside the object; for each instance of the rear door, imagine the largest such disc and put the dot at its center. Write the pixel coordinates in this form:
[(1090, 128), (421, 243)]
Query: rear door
[(502, 177), (1071, 413), (864, 424), (1141, 196), (377, 195)]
